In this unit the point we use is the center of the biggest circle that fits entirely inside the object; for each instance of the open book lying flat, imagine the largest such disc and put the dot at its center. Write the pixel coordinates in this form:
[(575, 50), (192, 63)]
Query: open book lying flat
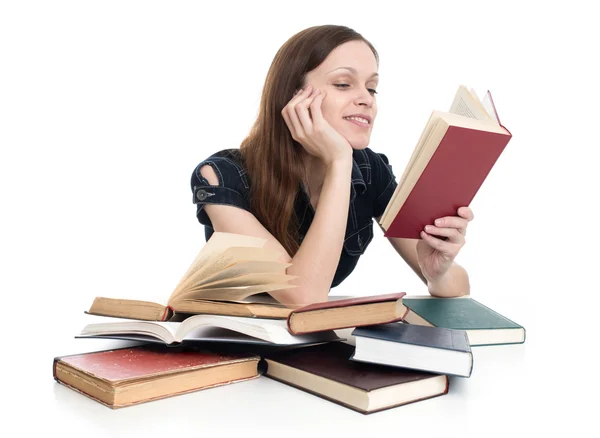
[(207, 328), (452, 159)]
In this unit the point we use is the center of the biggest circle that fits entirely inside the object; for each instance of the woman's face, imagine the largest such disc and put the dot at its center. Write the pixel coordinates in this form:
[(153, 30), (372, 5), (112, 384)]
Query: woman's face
[(349, 76)]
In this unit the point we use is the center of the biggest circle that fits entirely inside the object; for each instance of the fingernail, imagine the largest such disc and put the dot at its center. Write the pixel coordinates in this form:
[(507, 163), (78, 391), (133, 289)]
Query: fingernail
[(438, 222)]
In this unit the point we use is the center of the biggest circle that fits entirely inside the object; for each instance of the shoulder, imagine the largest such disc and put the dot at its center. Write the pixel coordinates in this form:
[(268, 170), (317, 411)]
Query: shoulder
[(371, 156), (374, 166), (228, 165)]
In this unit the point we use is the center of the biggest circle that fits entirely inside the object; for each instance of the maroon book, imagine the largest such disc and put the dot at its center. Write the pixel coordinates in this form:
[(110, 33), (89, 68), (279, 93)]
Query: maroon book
[(348, 312), (327, 371), (454, 173), (128, 376)]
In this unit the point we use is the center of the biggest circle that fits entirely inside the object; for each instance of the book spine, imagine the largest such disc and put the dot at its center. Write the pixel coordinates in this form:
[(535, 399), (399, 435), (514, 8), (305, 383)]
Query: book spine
[(168, 314), (342, 327), (54, 363)]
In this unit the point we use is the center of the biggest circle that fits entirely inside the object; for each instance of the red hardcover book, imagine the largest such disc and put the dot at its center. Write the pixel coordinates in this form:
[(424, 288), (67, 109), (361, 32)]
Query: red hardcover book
[(129, 376), (347, 312), (452, 159)]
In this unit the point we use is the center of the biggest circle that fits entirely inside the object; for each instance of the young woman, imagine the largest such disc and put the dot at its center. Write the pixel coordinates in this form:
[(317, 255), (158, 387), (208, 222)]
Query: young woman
[(305, 179)]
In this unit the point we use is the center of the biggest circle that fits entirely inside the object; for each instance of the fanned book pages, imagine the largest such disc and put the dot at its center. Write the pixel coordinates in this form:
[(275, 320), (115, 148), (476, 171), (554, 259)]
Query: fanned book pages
[(453, 156), (228, 272), (203, 328)]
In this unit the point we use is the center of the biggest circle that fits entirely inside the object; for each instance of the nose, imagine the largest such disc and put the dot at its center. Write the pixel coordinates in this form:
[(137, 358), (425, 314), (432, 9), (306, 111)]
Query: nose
[(365, 98)]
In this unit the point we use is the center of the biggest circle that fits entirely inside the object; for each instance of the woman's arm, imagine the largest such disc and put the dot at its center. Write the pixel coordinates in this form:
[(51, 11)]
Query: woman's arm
[(454, 282), (316, 261), (318, 257)]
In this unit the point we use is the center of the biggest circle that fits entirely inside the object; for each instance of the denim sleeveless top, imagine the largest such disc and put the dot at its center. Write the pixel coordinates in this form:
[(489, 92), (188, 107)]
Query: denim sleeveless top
[(373, 184)]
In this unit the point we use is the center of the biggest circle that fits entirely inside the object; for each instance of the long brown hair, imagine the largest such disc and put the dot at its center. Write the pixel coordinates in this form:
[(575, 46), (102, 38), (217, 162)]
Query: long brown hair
[(274, 160)]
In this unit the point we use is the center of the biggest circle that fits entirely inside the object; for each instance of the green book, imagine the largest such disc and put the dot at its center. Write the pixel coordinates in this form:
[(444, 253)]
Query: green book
[(483, 325)]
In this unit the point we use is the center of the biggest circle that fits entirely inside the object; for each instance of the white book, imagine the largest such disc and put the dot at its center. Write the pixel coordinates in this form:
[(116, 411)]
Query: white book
[(202, 328)]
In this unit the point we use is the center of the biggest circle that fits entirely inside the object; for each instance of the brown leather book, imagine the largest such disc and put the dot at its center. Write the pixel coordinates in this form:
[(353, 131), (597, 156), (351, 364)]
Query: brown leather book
[(326, 371), (129, 376), (348, 312)]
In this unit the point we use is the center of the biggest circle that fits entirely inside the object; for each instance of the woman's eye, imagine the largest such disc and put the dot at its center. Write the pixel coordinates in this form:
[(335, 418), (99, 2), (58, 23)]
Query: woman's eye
[(371, 90)]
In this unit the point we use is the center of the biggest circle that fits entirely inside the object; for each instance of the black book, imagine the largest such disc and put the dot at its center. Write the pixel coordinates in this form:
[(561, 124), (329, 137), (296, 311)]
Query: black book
[(433, 349)]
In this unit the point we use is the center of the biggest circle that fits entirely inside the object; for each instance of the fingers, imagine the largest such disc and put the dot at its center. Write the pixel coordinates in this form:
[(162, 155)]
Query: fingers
[(452, 235), (295, 113), (315, 110), (448, 234), (446, 247), (455, 222), (292, 116), (302, 110), (466, 212)]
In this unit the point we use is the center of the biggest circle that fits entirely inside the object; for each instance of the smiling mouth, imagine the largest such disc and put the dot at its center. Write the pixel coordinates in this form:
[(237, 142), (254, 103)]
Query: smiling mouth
[(363, 123)]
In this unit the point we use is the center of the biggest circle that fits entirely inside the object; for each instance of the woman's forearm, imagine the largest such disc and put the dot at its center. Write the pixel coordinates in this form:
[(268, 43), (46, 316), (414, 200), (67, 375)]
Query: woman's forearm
[(316, 261), (454, 283)]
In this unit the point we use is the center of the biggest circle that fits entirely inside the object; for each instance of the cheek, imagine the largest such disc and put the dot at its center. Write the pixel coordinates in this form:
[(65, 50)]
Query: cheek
[(331, 111)]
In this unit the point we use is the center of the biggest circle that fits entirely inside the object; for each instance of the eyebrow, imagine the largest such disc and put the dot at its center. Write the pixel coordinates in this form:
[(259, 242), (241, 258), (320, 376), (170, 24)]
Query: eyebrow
[(352, 69)]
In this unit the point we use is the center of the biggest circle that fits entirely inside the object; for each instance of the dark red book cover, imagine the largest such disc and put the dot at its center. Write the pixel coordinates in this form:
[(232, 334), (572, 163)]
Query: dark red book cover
[(146, 362), (332, 361), (348, 302), (453, 176), (111, 377)]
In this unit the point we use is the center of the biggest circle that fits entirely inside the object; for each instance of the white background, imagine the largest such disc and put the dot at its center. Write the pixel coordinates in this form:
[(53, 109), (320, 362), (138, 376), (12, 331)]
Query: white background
[(107, 107)]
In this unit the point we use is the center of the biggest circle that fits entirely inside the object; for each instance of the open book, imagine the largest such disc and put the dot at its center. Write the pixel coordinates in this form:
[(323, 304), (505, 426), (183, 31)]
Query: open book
[(228, 269), (453, 157), (206, 328)]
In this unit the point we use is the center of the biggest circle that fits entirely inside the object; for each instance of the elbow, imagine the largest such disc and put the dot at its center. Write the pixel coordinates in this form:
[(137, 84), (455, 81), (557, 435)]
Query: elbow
[(448, 294), (453, 285), (300, 296), (307, 290)]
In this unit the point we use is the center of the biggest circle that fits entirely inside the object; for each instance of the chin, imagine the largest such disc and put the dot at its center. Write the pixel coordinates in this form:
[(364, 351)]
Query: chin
[(359, 143)]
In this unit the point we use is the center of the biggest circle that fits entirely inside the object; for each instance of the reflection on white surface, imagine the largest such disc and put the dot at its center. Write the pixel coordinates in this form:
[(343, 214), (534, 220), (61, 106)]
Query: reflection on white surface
[(498, 373)]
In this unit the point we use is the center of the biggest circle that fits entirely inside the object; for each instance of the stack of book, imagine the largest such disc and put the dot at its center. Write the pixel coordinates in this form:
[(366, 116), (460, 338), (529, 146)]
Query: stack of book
[(220, 326)]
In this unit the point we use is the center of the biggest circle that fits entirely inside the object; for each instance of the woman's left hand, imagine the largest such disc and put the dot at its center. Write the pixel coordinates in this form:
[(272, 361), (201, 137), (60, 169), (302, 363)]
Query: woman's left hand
[(436, 255)]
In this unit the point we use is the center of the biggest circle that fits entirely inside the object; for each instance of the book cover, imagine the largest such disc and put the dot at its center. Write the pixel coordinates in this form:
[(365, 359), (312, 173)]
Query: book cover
[(347, 312), (433, 349), (483, 325), (127, 376), (450, 180), (327, 371)]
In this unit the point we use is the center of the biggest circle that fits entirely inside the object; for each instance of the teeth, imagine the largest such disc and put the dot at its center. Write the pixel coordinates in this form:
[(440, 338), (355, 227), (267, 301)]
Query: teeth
[(358, 119)]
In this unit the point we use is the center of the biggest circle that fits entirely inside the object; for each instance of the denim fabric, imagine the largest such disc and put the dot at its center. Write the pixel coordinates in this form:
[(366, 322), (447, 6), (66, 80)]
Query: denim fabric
[(373, 184)]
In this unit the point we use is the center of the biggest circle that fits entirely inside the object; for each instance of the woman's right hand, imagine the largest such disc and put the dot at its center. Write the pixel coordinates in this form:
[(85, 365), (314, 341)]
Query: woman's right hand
[(305, 121)]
